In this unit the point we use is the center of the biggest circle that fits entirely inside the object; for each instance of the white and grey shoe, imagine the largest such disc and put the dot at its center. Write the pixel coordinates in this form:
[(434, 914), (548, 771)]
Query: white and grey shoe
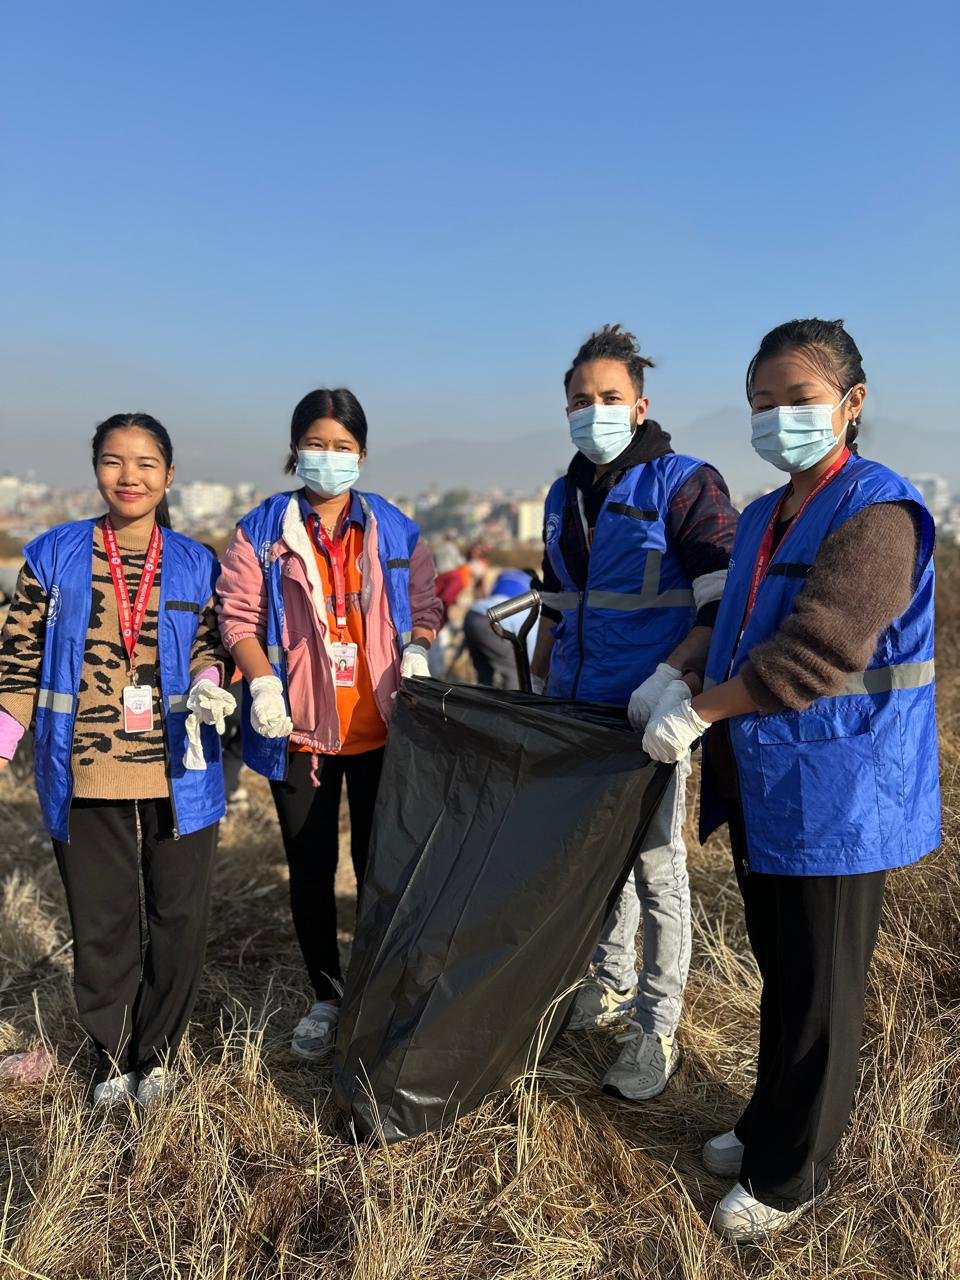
[(314, 1035), (115, 1089), (646, 1063), (723, 1154), (740, 1216), (598, 1005), (154, 1087)]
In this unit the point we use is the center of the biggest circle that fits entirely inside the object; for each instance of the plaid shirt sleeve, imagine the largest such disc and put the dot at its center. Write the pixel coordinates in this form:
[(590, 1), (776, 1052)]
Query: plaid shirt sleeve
[(702, 524)]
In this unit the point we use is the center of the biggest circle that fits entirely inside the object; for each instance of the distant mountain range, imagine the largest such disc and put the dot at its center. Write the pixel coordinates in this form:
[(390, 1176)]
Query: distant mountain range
[(525, 462), (520, 463)]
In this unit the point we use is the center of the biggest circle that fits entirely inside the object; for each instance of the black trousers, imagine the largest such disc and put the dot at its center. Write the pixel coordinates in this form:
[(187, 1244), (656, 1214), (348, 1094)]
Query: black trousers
[(310, 825), (492, 657), (135, 993), (813, 937)]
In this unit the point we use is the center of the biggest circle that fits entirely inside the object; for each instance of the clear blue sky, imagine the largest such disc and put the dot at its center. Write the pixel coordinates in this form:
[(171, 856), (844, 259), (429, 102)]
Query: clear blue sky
[(209, 209)]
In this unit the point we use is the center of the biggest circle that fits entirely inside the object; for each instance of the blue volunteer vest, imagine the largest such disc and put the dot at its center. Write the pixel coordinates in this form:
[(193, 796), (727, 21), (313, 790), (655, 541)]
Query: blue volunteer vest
[(638, 603), (62, 559), (852, 784), (396, 538)]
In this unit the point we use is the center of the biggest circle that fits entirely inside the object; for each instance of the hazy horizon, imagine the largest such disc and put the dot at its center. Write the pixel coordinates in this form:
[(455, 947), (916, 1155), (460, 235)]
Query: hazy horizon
[(721, 438)]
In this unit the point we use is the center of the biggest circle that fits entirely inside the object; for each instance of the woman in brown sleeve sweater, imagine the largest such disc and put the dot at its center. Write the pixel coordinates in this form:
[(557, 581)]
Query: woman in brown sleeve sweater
[(820, 753), (111, 651)]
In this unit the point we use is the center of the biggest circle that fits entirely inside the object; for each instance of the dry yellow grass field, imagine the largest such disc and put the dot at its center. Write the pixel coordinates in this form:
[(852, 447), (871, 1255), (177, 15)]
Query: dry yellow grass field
[(247, 1172)]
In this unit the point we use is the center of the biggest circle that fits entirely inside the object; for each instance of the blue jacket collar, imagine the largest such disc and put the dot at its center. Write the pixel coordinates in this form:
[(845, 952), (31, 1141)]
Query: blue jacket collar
[(355, 513)]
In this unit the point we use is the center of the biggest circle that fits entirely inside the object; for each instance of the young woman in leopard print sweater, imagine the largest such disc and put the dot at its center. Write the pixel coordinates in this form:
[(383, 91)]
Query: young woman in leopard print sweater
[(111, 639)]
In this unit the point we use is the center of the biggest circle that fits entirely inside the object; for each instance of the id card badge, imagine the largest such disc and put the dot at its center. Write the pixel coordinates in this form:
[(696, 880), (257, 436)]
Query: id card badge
[(345, 665), (137, 708)]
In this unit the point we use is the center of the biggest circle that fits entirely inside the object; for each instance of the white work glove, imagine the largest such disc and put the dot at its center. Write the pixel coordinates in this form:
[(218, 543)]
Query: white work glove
[(669, 737), (414, 661), (268, 714), (207, 704), (677, 691), (538, 684), (646, 697)]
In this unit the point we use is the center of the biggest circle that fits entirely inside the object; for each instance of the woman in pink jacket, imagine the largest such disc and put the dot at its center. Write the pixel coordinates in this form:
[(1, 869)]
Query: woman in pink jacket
[(327, 601)]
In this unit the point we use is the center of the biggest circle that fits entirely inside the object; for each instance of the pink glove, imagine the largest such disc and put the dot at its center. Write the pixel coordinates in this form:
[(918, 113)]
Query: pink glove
[(11, 731)]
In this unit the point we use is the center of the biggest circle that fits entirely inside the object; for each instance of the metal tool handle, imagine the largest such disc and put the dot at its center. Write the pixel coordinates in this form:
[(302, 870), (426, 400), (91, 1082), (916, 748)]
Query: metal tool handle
[(529, 601)]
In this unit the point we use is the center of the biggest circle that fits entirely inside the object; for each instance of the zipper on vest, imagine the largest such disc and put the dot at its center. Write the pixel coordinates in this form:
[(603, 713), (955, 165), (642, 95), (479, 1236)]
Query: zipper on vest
[(166, 752), (73, 730), (745, 856), (580, 608)]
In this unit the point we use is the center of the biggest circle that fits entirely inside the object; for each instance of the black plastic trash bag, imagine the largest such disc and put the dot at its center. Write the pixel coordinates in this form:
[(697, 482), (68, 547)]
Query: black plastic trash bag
[(505, 826)]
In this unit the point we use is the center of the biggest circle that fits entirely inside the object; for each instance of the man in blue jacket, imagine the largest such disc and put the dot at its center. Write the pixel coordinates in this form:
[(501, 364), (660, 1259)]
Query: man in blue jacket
[(637, 544)]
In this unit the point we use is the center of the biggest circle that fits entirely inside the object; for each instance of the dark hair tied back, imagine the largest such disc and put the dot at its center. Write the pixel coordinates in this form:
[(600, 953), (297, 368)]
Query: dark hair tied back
[(829, 348), (341, 405), (121, 421), (612, 343)]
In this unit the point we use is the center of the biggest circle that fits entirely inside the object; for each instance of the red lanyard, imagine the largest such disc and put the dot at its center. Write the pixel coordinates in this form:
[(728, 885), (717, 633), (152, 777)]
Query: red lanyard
[(765, 554), (334, 550), (131, 619)]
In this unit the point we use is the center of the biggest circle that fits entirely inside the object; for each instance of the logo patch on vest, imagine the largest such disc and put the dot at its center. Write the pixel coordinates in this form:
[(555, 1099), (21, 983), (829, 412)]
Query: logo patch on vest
[(264, 555), (552, 530), (55, 600)]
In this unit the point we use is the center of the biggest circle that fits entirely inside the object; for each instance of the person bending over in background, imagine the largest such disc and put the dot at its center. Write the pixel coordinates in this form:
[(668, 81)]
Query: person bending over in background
[(820, 752), (493, 658), (111, 650), (327, 601), (637, 544)]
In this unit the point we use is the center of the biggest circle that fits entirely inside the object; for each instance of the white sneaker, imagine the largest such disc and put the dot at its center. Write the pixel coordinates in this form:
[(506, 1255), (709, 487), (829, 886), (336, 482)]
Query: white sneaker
[(154, 1087), (723, 1154), (739, 1216), (598, 1005), (314, 1035), (647, 1061), (115, 1089)]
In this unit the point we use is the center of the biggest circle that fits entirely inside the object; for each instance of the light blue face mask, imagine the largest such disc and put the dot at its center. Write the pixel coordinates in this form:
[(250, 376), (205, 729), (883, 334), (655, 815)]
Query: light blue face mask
[(795, 437), (601, 431), (327, 471)]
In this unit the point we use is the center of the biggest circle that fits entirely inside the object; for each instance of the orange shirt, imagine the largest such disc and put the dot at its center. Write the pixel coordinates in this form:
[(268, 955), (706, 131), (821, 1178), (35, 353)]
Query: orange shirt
[(361, 725)]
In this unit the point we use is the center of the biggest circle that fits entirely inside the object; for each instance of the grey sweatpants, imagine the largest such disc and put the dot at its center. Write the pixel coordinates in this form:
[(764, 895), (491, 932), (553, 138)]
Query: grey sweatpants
[(656, 894)]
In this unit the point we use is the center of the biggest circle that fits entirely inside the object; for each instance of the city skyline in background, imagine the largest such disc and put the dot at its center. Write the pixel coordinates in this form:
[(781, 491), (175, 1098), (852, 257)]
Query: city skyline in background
[(207, 213), (502, 519)]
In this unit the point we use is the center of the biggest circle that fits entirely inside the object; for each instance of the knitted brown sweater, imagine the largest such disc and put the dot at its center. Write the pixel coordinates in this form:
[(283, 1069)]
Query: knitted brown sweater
[(108, 763), (862, 578)]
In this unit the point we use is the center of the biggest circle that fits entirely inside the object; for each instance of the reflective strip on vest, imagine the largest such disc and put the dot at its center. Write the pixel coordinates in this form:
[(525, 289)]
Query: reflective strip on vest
[(649, 598), (274, 654), (620, 600), (178, 702), (905, 675), (50, 700), (560, 600)]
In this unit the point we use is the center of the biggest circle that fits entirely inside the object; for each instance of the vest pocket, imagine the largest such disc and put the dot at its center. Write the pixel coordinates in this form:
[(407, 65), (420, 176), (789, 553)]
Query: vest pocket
[(815, 725), (819, 778)]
